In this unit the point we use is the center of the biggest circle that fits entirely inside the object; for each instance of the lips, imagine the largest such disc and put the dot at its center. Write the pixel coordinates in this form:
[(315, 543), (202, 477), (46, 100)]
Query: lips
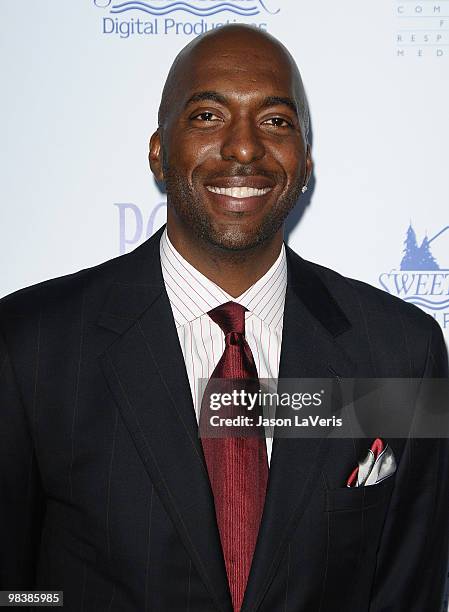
[(239, 194)]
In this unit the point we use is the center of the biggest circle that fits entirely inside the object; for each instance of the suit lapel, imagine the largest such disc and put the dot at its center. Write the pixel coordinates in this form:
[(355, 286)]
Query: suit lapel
[(146, 374), (312, 321)]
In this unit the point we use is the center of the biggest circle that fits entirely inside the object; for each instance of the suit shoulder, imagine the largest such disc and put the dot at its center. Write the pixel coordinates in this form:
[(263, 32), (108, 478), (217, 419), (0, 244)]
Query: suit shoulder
[(360, 299), (391, 337), (59, 304), (55, 292)]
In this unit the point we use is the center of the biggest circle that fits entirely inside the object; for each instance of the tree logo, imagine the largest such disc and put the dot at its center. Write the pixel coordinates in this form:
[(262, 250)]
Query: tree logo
[(420, 279), (419, 257)]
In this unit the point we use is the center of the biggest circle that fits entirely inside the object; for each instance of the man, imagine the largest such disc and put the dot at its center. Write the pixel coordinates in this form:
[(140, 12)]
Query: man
[(108, 493)]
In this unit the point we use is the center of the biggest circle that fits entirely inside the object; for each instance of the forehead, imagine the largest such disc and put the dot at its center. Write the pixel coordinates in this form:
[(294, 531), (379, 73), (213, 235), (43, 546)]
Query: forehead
[(227, 67)]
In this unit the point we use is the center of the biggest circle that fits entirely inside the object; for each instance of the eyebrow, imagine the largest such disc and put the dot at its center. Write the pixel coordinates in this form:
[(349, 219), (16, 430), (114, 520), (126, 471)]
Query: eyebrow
[(217, 97), (279, 100), (206, 95)]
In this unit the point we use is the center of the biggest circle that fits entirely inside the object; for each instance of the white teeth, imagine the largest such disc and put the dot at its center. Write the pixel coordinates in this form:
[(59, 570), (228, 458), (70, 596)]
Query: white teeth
[(239, 192)]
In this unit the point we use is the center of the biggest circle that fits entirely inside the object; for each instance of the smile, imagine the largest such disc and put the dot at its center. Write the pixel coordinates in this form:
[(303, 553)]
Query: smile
[(239, 192)]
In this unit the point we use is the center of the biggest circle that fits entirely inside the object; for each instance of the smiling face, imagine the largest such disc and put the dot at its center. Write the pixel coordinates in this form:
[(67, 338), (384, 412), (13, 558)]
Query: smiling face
[(231, 146)]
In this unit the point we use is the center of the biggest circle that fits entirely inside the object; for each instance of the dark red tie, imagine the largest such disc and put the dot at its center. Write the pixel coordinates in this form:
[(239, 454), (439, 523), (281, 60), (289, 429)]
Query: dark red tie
[(237, 466)]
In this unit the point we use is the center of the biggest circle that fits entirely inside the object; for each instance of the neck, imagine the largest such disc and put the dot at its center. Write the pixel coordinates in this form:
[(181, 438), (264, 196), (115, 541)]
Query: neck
[(233, 271)]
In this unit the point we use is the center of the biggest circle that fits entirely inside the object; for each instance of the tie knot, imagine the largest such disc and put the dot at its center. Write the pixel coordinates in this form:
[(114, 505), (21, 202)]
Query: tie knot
[(230, 317)]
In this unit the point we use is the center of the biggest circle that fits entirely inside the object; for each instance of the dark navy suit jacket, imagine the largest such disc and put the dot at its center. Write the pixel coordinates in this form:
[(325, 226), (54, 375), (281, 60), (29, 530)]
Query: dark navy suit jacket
[(104, 492)]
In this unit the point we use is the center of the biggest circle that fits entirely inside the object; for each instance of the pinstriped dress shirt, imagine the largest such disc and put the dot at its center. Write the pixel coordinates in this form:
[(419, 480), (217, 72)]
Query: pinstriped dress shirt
[(192, 295)]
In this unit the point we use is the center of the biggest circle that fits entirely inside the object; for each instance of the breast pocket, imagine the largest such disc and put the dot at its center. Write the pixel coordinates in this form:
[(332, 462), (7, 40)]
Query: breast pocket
[(359, 498), (354, 518)]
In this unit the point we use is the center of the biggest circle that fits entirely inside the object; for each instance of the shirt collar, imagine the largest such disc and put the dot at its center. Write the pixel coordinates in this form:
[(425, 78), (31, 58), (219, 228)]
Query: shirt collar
[(192, 294)]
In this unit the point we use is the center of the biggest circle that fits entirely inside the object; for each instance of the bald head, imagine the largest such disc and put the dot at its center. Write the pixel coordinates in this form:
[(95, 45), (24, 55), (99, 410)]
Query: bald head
[(238, 43)]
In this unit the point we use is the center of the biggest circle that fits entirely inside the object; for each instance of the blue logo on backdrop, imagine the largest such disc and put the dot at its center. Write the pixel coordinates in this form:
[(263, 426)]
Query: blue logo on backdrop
[(420, 279), (149, 18), (134, 227)]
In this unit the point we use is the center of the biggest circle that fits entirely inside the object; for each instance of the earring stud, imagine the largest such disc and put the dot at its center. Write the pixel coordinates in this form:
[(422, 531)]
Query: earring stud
[(304, 189)]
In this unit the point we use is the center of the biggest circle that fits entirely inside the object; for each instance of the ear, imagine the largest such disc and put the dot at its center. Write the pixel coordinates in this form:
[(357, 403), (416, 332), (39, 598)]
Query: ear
[(155, 156), (309, 165)]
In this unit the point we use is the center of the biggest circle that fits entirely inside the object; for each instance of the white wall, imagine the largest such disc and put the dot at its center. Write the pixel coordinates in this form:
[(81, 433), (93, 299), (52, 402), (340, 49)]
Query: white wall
[(78, 105)]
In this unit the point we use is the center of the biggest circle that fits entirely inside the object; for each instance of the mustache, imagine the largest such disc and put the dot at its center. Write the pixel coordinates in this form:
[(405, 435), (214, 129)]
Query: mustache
[(243, 171)]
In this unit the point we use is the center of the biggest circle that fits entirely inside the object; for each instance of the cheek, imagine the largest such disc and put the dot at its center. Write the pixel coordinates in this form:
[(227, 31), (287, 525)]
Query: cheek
[(189, 157), (293, 167), (296, 161), (290, 158)]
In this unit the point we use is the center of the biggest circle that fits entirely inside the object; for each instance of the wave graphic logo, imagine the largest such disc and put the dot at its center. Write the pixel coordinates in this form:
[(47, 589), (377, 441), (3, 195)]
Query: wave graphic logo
[(200, 8), (420, 280)]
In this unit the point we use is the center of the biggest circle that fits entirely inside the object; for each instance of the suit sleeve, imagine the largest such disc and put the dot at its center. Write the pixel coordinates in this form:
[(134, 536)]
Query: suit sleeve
[(21, 495), (413, 555)]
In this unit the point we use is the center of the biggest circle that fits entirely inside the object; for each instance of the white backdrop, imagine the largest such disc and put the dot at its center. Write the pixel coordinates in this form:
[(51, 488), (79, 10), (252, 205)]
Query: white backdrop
[(81, 86)]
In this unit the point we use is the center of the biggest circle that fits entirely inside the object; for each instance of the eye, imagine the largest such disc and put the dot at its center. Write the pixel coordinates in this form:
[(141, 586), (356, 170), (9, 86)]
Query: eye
[(206, 116), (278, 122)]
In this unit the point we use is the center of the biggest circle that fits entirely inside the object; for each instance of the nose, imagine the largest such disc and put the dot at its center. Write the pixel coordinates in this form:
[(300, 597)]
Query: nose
[(242, 143)]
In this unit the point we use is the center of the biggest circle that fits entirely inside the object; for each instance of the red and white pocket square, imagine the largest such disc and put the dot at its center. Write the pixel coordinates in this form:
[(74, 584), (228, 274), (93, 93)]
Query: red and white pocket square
[(379, 464)]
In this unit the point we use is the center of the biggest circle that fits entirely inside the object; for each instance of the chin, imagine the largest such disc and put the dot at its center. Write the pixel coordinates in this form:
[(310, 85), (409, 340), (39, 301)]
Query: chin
[(235, 238)]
